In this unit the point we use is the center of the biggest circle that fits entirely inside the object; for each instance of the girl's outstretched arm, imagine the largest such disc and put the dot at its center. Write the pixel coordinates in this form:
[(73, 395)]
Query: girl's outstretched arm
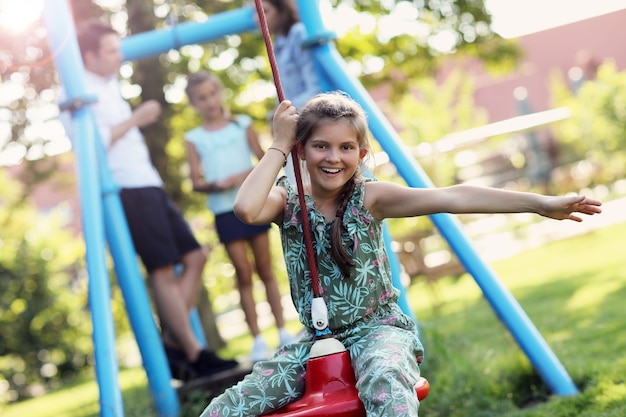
[(393, 200), (258, 200)]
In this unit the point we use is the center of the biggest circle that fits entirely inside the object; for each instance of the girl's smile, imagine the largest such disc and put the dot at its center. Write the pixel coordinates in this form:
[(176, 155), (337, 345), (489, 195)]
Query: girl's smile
[(332, 155)]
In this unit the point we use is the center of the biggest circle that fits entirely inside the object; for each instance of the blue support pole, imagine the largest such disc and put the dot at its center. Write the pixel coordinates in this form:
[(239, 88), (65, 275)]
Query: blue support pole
[(396, 275), (151, 43), (196, 325), (99, 200), (504, 304), (135, 296), (62, 39)]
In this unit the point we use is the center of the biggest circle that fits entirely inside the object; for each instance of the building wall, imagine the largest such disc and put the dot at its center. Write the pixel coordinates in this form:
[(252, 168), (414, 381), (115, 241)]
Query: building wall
[(585, 43)]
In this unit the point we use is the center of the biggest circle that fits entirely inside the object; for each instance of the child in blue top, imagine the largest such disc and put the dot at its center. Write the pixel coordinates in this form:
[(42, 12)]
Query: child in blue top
[(219, 154), (346, 213), (295, 63), (296, 67)]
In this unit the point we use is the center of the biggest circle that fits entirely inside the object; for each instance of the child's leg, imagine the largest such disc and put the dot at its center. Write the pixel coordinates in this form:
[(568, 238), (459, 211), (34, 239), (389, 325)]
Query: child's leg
[(263, 261), (173, 311), (271, 385), (387, 371), (238, 254), (190, 278)]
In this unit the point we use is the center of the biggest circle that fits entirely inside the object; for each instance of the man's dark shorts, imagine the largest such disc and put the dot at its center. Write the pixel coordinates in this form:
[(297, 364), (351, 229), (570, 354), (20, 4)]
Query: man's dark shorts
[(160, 233)]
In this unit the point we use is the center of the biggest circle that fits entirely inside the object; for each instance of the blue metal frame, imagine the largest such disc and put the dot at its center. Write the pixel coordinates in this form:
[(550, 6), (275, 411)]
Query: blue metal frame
[(103, 217)]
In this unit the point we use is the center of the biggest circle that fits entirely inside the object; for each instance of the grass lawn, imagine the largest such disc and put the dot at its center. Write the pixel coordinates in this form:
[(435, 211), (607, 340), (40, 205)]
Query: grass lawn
[(573, 291)]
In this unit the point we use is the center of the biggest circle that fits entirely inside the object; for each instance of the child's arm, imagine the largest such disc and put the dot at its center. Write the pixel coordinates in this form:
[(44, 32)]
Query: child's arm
[(258, 200), (253, 140), (391, 200), (198, 182), (195, 172), (146, 113), (237, 179)]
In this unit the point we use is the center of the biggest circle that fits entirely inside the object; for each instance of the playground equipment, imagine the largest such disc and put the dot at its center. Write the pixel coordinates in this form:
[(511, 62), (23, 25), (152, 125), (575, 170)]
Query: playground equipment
[(103, 216)]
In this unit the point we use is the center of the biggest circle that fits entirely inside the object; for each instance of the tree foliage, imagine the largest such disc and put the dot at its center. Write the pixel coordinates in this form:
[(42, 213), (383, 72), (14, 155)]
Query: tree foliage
[(431, 113), (44, 324), (377, 54), (428, 32), (596, 131)]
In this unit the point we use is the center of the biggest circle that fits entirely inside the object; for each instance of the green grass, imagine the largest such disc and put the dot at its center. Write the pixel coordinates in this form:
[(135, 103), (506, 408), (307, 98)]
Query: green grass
[(573, 291), (80, 399)]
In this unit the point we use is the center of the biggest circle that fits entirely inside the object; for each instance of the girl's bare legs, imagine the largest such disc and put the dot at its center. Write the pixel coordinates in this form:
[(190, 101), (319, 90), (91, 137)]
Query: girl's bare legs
[(263, 261), (237, 252)]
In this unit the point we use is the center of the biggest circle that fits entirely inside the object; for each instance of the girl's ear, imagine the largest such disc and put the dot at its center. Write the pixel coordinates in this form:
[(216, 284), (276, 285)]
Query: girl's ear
[(300, 151), (362, 153)]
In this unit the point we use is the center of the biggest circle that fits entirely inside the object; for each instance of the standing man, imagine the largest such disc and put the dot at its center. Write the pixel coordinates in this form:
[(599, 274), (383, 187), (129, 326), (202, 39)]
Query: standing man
[(160, 234)]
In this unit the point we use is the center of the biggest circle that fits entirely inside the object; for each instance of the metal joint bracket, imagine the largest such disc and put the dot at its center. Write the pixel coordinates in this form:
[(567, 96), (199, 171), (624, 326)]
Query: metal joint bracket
[(76, 103)]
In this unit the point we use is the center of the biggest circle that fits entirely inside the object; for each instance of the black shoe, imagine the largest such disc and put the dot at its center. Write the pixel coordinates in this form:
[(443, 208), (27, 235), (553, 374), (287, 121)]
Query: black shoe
[(208, 363), (179, 365)]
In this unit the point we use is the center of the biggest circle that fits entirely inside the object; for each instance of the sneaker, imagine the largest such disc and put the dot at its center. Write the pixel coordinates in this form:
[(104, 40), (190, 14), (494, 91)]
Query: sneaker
[(259, 352), (178, 364), (208, 363), (284, 337)]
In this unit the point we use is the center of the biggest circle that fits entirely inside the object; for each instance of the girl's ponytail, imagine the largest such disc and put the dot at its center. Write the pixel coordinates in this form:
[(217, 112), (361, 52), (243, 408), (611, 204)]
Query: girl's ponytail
[(340, 255)]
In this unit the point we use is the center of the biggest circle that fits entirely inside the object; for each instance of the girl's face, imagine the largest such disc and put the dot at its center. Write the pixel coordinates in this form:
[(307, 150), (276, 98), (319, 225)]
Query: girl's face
[(272, 16), (207, 99), (332, 155)]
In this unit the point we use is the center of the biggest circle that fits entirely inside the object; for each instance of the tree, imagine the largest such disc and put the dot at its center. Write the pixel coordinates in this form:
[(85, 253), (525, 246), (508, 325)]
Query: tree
[(594, 137), (44, 325), (409, 39), (410, 48)]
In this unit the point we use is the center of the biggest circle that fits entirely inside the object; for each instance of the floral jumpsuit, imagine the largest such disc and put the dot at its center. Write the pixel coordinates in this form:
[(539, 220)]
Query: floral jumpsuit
[(362, 311)]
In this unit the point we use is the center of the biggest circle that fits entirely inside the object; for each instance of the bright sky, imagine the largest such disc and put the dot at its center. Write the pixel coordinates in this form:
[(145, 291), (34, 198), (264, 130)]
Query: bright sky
[(513, 18)]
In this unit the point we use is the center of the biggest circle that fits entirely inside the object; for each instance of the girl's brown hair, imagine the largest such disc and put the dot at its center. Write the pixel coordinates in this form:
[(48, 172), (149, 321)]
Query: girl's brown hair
[(332, 107), (197, 78), (288, 14)]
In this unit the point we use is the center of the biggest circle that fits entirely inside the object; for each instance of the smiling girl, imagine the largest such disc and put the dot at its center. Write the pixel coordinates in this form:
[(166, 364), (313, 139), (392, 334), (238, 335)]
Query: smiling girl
[(346, 213)]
